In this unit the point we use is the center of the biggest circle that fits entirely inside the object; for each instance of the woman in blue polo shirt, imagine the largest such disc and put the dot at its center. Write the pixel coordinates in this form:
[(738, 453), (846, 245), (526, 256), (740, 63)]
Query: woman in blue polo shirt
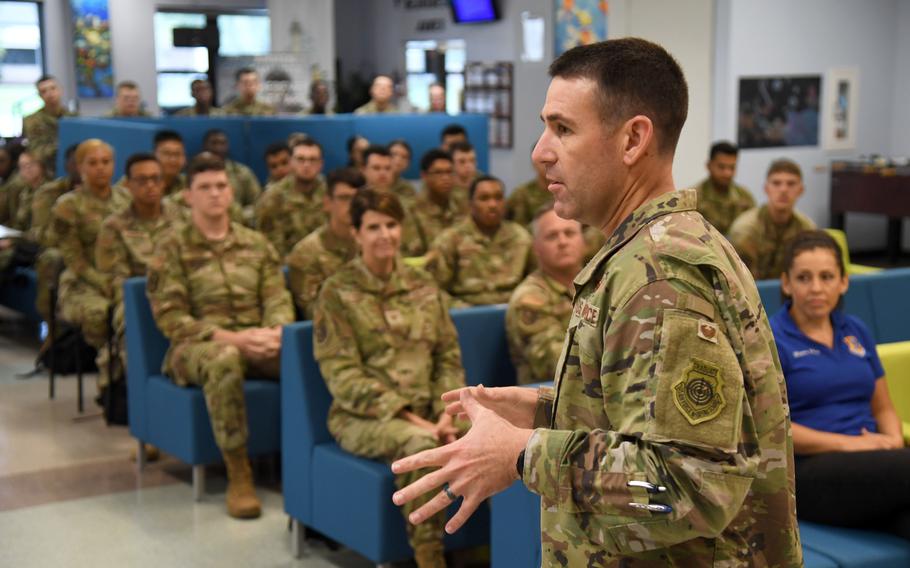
[(851, 465)]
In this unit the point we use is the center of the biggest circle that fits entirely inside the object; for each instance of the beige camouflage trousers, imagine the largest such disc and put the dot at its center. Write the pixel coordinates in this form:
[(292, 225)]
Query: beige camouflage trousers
[(103, 361), (83, 305), (46, 267), (219, 370), (390, 441)]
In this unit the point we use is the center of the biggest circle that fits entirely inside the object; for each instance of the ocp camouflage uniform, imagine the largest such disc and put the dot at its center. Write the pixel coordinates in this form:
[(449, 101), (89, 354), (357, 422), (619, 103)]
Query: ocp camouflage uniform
[(405, 191), (384, 346), (424, 220), (191, 111), (721, 208), (525, 200), (312, 261), (114, 113), (84, 290), (197, 286), (125, 245), (285, 214), (41, 128), (372, 108), (594, 241), (246, 187), (762, 243), (255, 108), (12, 196), (49, 259), (476, 269), (669, 376), (536, 322), (176, 206)]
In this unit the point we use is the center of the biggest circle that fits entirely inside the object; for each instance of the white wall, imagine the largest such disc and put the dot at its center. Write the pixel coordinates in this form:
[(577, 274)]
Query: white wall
[(686, 30), (809, 37), (132, 44), (316, 20), (900, 145)]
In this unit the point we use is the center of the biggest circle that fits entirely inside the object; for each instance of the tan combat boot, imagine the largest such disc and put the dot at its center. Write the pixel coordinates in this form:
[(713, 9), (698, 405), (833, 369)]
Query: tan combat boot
[(430, 555), (241, 499)]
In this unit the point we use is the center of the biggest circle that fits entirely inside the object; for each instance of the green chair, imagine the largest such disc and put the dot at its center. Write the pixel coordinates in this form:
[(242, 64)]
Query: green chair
[(896, 361), (841, 238)]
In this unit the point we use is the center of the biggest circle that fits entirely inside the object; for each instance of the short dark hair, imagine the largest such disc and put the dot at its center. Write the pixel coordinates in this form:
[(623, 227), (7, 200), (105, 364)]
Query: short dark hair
[(212, 132), (309, 143), (203, 162), (368, 199), (243, 71), (723, 147), (634, 76), (376, 149), (784, 165), (403, 143), (461, 147), (163, 136), (128, 84), (353, 140), (276, 148), (136, 159), (195, 82), (811, 240), (348, 176), (453, 130), (431, 156), (481, 179), (44, 78)]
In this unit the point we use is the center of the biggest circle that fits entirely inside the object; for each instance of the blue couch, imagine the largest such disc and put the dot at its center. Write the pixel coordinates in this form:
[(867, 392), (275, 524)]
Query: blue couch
[(324, 485), (175, 418), (879, 299)]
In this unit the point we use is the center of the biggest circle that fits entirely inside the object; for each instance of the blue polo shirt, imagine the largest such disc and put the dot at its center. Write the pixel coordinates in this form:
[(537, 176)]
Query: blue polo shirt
[(830, 389)]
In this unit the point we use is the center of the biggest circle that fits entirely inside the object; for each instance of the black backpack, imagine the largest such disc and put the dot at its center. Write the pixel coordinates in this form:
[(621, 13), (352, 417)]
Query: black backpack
[(61, 355)]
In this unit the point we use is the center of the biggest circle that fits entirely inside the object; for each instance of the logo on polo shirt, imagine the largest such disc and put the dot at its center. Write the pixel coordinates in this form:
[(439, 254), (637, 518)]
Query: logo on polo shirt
[(855, 346)]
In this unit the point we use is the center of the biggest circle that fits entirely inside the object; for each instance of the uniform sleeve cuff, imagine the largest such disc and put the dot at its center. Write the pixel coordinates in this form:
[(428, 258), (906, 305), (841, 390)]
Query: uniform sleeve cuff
[(389, 405), (543, 412), (543, 462)]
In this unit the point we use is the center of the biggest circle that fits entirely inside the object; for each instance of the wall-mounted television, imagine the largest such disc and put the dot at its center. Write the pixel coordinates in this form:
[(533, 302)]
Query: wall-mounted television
[(474, 11)]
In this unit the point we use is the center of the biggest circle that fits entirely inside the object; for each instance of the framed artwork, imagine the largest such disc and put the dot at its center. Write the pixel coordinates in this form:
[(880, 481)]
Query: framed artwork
[(778, 111), (839, 122), (579, 22), (92, 43)]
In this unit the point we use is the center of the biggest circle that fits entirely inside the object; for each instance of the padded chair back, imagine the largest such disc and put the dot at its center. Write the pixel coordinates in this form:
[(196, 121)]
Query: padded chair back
[(859, 302), (146, 347), (889, 298), (484, 349), (769, 292)]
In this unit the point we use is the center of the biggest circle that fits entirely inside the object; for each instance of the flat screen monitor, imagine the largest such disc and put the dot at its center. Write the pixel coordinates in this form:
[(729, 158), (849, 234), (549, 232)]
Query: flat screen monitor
[(474, 11)]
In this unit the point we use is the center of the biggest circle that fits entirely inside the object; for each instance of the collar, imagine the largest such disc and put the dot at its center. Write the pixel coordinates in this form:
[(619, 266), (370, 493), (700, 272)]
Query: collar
[(333, 242), (553, 284), (198, 239), (372, 283), (765, 216), (671, 202), (838, 321)]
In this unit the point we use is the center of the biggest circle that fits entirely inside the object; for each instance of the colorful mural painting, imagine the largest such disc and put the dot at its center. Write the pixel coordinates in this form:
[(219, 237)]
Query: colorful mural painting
[(580, 22), (92, 42)]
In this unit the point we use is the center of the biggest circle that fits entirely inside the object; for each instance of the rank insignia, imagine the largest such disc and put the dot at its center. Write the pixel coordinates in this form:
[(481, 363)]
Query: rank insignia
[(855, 346), (699, 393), (707, 330)]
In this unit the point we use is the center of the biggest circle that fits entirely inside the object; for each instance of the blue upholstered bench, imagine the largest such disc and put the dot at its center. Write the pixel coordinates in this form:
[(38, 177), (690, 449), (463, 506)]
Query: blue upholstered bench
[(324, 485), (175, 418)]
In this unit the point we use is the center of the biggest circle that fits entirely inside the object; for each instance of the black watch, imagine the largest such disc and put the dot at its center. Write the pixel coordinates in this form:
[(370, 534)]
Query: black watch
[(520, 465)]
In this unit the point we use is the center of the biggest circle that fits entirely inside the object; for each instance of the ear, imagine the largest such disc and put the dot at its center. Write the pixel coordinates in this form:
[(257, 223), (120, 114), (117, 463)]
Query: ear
[(325, 203), (845, 284), (785, 284), (637, 139)]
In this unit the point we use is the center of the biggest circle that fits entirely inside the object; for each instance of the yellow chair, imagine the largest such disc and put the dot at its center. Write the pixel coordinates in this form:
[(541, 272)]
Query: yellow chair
[(896, 361), (852, 269)]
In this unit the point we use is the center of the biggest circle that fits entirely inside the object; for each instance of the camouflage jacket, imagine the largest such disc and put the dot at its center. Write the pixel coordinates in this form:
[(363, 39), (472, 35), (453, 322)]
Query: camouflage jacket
[(478, 269), (255, 108), (372, 108), (312, 261), (126, 244), (15, 204), (669, 376), (42, 205), (286, 215), (762, 244), (525, 200), (41, 129), (197, 286), (176, 206), (424, 221), (536, 323), (721, 209), (77, 218), (405, 191), (191, 111), (383, 345), (243, 181), (114, 113)]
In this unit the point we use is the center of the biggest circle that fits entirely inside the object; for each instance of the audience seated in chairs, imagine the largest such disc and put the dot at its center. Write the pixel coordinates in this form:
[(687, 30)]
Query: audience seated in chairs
[(852, 468), (218, 294), (388, 349)]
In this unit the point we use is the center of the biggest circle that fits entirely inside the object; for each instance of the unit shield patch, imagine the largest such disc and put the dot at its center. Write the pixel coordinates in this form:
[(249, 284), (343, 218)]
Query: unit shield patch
[(699, 393)]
